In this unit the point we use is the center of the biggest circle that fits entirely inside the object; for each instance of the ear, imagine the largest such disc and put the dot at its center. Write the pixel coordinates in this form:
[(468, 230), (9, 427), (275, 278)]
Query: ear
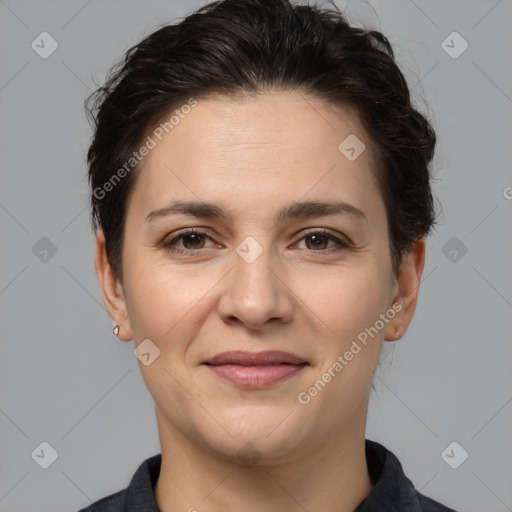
[(407, 285), (111, 289)]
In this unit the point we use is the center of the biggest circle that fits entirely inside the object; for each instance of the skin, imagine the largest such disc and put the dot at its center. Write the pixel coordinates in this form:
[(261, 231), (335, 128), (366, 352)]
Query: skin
[(252, 157)]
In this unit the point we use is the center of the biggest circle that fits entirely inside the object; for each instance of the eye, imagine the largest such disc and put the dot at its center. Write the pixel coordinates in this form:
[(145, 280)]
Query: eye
[(320, 238), (192, 238), (193, 241)]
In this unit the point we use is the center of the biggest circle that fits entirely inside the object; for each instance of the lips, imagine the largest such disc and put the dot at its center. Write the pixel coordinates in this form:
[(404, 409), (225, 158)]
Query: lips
[(255, 370), (267, 358)]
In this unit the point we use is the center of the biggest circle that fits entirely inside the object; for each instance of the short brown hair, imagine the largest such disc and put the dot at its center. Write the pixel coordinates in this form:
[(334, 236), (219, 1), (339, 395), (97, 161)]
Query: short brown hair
[(233, 46)]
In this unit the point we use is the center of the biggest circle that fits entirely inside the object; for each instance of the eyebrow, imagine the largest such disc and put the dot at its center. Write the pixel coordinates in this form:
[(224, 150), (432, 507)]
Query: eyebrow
[(294, 210)]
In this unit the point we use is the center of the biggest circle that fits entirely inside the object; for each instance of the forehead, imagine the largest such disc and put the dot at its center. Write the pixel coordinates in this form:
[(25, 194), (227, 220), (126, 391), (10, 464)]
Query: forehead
[(276, 147), (262, 123)]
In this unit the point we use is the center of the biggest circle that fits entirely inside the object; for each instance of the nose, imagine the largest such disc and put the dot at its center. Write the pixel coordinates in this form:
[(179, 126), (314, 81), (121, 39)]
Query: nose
[(256, 291)]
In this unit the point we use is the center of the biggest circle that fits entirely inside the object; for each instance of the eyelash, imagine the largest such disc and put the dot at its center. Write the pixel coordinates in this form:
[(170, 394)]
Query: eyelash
[(169, 245)]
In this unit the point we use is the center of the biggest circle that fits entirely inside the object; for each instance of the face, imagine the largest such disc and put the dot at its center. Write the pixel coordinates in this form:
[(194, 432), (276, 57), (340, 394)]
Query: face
[(259, 273)]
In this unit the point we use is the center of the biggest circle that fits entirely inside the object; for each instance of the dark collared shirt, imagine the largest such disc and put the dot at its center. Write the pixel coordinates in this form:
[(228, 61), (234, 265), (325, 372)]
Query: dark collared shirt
[(392, 491)]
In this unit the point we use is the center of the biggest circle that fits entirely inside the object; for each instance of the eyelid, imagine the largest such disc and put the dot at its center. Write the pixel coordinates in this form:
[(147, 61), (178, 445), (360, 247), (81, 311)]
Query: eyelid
[(168, 242), (342, 241), (324, 231)]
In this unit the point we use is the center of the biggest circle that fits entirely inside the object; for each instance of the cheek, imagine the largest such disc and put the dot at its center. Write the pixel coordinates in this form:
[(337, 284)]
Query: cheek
[(160, 298), (350, 307), (348, 302)]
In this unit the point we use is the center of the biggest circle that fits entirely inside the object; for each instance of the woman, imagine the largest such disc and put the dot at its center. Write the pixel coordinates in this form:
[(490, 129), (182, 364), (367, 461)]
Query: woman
[(261, 197)]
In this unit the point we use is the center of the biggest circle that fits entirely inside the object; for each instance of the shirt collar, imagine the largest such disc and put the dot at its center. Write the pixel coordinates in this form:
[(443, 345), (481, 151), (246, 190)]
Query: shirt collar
[(391, 486)]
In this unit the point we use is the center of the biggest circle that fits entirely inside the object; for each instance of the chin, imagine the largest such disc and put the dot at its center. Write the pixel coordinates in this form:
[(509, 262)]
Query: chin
[(257, 435)]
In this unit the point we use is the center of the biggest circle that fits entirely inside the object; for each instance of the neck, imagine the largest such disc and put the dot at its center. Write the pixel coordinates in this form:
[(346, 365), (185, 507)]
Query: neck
[(332, 475)]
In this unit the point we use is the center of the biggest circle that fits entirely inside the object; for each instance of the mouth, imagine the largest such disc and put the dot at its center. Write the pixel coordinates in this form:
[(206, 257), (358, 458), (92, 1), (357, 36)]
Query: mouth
[(255, 370), (269, 357)]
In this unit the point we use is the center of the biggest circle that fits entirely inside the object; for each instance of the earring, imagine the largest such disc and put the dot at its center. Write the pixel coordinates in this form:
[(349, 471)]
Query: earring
[(397, 333), (115, 330)]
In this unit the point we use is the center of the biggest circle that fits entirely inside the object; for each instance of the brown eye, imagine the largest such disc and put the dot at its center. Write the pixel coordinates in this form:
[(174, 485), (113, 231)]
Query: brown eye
[(317, 241), (192, 240)]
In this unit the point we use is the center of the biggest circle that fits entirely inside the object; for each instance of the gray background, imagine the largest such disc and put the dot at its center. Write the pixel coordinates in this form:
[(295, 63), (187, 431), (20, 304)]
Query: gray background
[(67, 381)]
